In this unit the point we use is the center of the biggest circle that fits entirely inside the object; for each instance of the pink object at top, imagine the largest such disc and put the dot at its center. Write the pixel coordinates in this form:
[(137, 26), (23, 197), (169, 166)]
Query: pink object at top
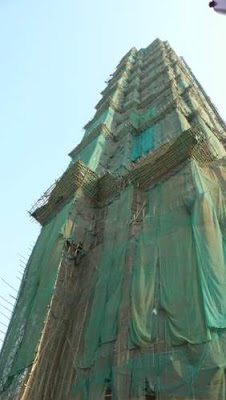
[(220, 6)]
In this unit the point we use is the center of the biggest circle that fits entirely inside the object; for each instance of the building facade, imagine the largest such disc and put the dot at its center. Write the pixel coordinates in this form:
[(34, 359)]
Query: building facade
[(124, 295)]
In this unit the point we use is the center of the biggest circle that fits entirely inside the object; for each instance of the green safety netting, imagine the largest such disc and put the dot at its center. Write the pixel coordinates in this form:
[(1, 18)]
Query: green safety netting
[(213, 142), (37, 289), (92, 153), (208, 212), (96, 122), (177, 295), (97, 154), (143, 144), (35, 294), (183, 240), (85, 154), (161, 327), (102, 325), (166, 266), (190, 372), (167, 129), (177, 289), (105, 118), (183, 84), (139, 119)]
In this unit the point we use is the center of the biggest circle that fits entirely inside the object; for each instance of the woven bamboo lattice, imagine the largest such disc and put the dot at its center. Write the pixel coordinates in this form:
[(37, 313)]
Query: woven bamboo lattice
[(76, 176), (148, 171), (190, 144), (107, 187), (151, 169)]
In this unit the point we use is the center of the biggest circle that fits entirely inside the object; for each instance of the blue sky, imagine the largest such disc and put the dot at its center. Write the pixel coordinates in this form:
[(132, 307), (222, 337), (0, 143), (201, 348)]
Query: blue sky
[(55, 56)]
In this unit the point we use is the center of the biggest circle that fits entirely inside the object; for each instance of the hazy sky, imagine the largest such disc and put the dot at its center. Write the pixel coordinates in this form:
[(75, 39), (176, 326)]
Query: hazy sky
[(55, 56)]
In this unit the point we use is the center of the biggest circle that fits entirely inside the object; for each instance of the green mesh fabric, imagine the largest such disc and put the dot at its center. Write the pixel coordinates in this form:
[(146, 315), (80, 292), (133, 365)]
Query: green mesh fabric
[(35, 294), (162, 270), (168, 129), (105, 118), (215, 145), (97, 153), (96, 122), (208, 219), (143, 144), (149, 311), (181, 373), (137, 120), (85, 154), (91, 154), (176, 333), (102, 326), (183, 239)]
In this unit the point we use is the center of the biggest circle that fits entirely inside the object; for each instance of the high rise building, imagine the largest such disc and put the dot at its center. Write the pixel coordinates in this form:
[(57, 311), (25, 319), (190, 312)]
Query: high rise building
[(124, 295)]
